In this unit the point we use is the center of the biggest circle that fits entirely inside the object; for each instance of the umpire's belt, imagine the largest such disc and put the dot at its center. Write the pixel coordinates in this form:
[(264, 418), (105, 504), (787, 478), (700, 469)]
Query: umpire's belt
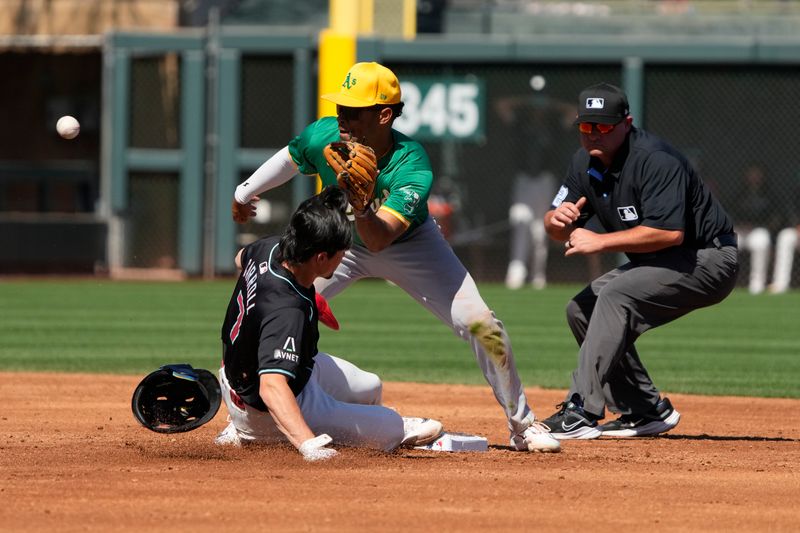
[(729, 239)]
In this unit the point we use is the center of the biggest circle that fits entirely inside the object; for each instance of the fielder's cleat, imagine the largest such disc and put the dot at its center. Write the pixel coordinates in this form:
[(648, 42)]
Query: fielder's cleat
[(536, 438), (420, 431), (661, 418), (228, 437), (571, 421)]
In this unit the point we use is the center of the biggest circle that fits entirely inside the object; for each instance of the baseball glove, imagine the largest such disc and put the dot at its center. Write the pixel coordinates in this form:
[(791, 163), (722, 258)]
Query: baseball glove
[(356, 169)]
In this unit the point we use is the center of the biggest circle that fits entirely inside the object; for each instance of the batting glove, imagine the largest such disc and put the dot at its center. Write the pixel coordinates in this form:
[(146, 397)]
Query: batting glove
[(315, 450)]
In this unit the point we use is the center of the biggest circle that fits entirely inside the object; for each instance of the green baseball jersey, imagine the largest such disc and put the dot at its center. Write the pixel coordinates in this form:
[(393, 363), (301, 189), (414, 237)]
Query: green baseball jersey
[(404, 178)]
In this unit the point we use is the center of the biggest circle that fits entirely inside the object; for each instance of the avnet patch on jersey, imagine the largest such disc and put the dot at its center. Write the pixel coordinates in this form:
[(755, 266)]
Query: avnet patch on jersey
[(560, 195), (280, 354)]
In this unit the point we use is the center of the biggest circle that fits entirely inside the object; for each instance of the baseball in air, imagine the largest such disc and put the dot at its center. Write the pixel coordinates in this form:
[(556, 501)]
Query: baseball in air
[(68, 127), (537, 82)]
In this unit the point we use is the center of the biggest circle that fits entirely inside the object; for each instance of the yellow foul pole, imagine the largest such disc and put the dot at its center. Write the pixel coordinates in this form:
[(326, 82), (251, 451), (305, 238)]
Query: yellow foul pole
[(337, 46)]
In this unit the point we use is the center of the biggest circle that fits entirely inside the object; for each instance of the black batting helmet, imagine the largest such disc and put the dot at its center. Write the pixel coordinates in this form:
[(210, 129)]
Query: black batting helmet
[(176, 398)]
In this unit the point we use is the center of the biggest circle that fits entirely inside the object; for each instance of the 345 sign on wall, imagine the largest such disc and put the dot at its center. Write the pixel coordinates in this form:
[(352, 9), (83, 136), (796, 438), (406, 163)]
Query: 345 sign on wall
[(442, 108)]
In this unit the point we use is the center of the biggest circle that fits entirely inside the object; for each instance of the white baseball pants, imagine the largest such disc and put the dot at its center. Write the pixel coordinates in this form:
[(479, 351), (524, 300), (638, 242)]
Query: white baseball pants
[(785, 248), (340, 399), (530, 200), (757, 242)]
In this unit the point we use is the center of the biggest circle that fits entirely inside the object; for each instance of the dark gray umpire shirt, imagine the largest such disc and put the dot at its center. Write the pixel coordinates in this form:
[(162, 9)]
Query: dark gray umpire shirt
[(270, 327), (649, 183)]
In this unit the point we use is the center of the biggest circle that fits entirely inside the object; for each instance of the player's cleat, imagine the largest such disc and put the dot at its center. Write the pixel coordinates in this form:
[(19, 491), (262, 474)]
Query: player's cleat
[(420, 431), (571, 421), (536, 438), (661, 418), (228, 437)]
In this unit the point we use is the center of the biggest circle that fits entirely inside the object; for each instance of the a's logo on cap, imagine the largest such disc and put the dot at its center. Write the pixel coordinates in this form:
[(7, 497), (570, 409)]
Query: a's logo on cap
[(348, 83), (595, 103)]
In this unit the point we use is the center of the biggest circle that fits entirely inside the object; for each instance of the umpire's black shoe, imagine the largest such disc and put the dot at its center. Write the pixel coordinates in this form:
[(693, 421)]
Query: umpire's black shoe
[(571, 421), (659, 419)]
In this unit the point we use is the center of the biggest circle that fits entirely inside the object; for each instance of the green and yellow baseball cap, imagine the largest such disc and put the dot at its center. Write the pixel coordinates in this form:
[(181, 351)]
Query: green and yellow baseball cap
[(367, 84)]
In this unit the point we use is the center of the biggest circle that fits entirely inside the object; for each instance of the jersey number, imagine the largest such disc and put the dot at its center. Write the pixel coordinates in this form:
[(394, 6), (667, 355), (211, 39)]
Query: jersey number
[(238, 325)]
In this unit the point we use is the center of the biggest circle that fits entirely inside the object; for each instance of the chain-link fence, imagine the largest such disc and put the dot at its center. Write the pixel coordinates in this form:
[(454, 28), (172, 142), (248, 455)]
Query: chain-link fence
[(734, 121), (151, 219)]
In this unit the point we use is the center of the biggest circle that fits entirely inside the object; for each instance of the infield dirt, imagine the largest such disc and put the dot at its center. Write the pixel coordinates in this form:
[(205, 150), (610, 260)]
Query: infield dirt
[(73, 458)]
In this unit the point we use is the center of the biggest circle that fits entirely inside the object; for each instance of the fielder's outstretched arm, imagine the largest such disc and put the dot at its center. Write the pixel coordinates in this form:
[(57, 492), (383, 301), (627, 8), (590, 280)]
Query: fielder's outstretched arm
[(275, 171)]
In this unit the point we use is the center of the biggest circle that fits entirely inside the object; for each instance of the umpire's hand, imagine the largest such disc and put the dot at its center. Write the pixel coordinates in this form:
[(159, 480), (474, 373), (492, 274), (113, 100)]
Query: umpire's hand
[(567, 213), (583, 241)]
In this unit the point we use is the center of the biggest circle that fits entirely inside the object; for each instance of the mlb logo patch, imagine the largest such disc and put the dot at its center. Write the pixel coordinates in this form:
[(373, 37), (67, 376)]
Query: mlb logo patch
[(263, 267), (627, 213), (595, 103)]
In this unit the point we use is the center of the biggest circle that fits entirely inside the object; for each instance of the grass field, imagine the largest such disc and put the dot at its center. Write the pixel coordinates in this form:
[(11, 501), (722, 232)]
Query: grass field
[(746, 346)]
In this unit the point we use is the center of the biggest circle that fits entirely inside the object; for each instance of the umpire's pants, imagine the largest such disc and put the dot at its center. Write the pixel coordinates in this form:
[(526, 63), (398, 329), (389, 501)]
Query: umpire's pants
[(612, 312)]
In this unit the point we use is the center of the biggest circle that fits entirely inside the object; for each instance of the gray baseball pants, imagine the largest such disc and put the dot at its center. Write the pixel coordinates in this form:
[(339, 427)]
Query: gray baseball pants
[(612, 312)]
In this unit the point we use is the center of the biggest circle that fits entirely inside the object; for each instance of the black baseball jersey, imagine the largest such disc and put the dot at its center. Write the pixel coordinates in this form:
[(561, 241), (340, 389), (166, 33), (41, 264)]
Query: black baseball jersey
[(270, 326), (649, 183)]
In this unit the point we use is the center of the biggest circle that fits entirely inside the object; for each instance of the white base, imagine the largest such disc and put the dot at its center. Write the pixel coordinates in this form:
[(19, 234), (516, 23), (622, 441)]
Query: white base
[(457, 442)]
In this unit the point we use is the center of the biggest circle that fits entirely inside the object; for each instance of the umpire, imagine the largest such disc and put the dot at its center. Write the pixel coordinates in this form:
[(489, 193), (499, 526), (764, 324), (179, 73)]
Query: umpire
[(682, 256)]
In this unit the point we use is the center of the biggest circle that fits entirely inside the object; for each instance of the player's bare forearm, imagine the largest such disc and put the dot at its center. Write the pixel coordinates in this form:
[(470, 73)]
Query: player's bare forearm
[(378, 229), (282, 404)]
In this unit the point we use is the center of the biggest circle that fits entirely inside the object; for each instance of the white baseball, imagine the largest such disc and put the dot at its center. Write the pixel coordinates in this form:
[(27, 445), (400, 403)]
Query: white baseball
[(68, 127), (537, 82)]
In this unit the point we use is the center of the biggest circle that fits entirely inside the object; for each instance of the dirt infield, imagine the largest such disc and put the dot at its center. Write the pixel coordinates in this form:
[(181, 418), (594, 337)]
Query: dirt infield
[(74, 459)]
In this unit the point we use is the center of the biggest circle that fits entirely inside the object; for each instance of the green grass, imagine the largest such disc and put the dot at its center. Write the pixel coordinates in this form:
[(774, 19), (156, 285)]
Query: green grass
[(747, 345)]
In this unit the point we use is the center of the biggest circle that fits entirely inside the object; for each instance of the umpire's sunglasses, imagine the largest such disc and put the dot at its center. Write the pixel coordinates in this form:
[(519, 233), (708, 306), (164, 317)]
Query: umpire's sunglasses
[(586, 127)]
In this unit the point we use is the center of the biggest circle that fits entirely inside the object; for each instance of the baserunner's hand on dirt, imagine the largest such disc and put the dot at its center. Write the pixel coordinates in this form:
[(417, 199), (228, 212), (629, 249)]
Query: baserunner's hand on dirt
[(314, 449)]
